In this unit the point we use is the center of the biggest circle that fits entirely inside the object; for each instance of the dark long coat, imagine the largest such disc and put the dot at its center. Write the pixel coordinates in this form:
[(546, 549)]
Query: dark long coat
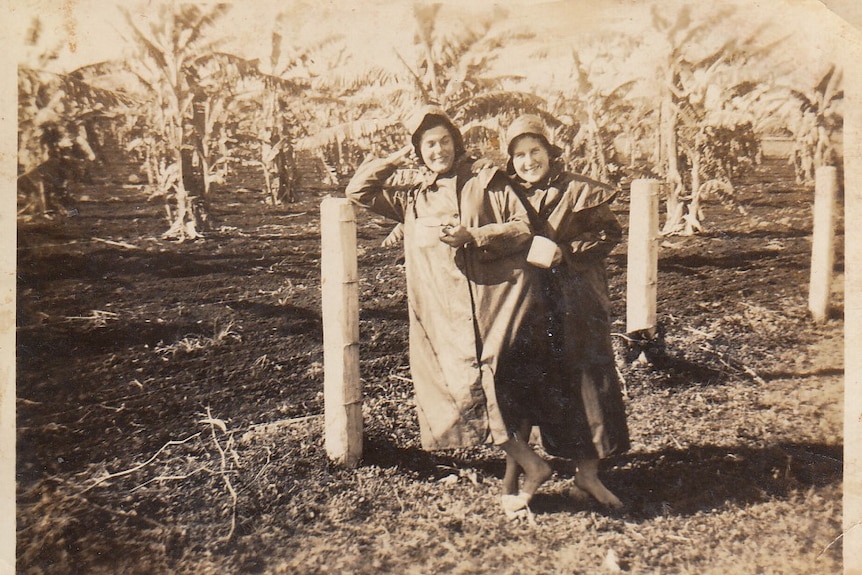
[(584, 414)]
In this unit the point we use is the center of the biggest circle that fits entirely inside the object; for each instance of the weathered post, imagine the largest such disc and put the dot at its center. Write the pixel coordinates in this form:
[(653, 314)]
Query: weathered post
[(342, 391), (852, 477), (642, 266), (823, 242), (7, 330)]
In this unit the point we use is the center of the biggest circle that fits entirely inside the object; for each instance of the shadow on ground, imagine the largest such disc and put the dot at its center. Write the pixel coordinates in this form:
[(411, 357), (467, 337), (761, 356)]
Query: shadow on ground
[(677, 482)]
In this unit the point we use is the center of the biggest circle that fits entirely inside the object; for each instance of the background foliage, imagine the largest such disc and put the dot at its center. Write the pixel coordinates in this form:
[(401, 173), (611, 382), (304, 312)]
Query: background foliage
[(195, 98)]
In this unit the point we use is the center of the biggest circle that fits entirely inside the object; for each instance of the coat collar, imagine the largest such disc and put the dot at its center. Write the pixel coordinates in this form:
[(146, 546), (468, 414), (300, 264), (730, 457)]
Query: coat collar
[(588, 193), (554, 178), (461, 170)]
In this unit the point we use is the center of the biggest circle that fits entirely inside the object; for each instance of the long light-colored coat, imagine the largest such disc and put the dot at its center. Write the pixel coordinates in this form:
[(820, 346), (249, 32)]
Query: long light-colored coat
[(466, 305)]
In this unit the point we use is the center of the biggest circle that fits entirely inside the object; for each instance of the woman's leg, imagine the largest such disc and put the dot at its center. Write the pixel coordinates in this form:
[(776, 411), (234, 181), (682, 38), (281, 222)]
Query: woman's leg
[(536, 469), (587, 478), (536, 472), (512, 477)]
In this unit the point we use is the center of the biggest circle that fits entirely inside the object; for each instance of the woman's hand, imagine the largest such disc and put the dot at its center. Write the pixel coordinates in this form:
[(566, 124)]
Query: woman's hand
[(558, 257), (455, 235), (401, 158), (395, 237)]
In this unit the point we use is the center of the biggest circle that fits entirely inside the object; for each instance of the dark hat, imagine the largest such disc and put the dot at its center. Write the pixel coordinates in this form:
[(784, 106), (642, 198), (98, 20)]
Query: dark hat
[(427, 117)]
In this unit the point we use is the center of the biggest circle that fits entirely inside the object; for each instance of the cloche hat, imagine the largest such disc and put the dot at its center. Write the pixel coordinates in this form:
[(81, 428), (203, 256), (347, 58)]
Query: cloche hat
[(427, 117), (530, 124)]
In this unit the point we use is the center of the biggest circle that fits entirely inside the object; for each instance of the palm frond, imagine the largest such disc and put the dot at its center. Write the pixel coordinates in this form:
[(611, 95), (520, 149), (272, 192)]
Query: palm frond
[(194, 20), (744, 88), (691, 32), (84, 93), (618, 91), (658, 20), (805, 101), (489, 104), (151, 45), (418, 83), (426, 19), (683, 21), (353, 131), (825, 80), (350, 79), (830, 86)]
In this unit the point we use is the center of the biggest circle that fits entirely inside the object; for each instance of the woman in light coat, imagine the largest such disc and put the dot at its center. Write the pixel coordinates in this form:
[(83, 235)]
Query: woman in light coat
[(469, 292)]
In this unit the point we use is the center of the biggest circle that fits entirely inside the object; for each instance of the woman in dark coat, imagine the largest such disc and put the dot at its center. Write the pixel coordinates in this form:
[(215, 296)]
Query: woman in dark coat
[(584, 415)]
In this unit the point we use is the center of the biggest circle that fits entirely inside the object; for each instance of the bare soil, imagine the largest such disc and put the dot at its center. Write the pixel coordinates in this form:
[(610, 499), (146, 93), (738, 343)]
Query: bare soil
[(170, 404)]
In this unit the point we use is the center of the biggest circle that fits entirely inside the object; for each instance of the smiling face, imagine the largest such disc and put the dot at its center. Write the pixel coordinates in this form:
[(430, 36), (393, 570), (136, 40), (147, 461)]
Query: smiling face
[(438, 149), (530, 158)]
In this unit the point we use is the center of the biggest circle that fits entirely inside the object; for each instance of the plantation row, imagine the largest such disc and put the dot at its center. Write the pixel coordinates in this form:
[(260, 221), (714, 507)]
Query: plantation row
[(187, 108)]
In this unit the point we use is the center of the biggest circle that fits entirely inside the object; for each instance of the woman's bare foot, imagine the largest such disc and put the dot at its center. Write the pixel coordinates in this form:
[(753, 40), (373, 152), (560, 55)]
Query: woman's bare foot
[(536, 469), (587, 478), (536, 472)]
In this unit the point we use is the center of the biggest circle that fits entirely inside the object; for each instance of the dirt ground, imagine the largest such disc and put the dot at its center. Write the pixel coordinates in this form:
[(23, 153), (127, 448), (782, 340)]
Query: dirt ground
[(169, 405)]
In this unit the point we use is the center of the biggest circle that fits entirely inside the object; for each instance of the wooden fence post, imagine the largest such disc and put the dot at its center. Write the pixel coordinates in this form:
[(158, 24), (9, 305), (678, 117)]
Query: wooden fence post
[(342, 390), (852, 477), (823, 242), (642, 265)]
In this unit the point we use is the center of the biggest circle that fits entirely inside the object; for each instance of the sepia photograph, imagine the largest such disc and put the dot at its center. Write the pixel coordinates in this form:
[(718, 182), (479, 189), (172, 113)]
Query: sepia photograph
[(372, 287)]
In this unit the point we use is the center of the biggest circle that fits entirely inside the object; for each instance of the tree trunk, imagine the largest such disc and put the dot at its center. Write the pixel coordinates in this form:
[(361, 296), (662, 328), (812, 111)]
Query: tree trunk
[(151, 167), (341, 161), (192, 180), (200, 138), (266, 137), (692, 219), (671, 157), (184, 225), (659, 148), (601, 165), (286, 171)]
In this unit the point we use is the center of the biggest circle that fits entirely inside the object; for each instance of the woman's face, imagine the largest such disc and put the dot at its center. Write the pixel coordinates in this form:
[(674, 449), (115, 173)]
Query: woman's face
[(438, 149), (530, 159)]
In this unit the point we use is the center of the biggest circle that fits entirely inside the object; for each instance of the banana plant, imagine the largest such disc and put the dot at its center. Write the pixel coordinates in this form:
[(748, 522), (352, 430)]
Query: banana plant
[(173, 48), (698, 73), (815, 118), (453, 66), (59, 119), (587, 119), (286, 102), (216, 83), (449, 65)]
